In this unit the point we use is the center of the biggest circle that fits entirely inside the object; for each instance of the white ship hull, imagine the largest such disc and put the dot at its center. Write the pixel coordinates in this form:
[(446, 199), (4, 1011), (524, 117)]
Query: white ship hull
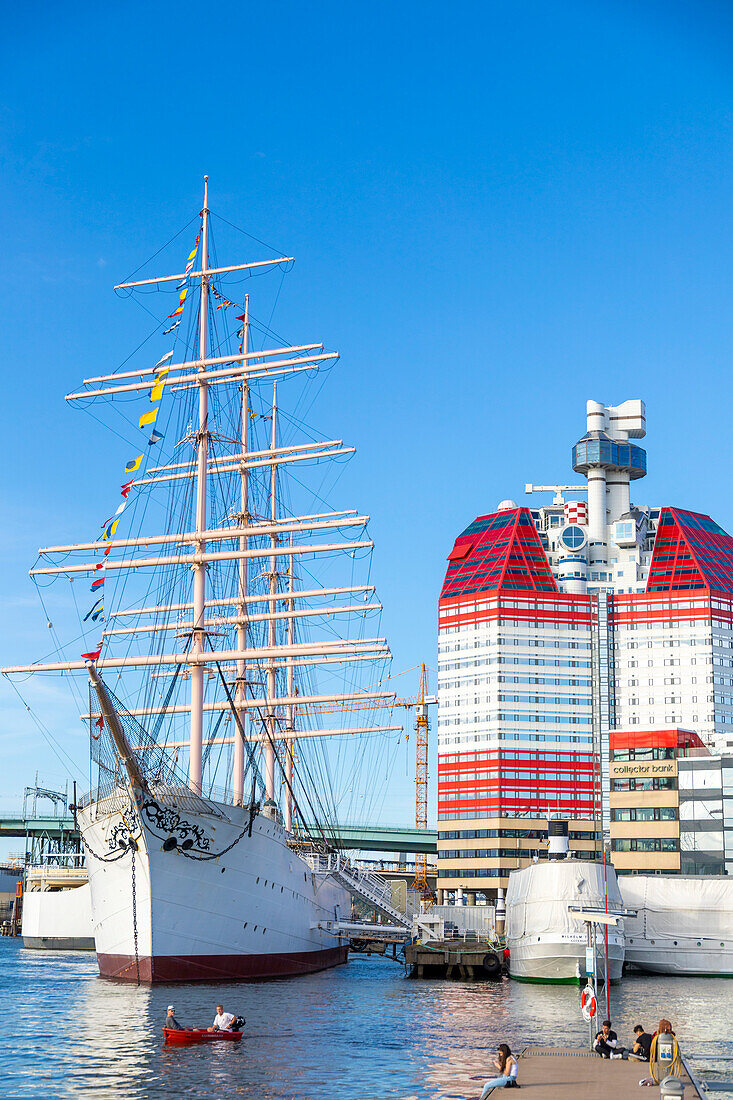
[(205, 913), (58, 920), (683, 924), (562, 959), (546, 940), (684, 957)]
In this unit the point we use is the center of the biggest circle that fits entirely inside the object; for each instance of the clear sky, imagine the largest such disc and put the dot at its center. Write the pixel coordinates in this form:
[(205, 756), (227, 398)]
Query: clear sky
[(497, 209)]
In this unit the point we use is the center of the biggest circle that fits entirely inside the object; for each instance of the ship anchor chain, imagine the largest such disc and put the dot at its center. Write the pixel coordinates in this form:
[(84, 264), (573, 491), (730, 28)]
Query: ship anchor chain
[(134, 910), (182, 836), (180, 833), (119, 846)]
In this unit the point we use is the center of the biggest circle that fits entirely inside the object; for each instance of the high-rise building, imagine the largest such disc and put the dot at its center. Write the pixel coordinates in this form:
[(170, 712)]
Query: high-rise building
[(558, 625)]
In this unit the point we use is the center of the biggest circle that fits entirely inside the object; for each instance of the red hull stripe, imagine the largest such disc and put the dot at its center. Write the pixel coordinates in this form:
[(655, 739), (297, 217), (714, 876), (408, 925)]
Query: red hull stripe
[(209, 968)]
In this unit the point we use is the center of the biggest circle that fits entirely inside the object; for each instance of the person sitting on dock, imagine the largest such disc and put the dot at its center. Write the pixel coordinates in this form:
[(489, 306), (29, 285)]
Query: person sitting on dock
[(223, 1021), (508, 1068), (606, 1042), (171, 1023), (642, 1045)]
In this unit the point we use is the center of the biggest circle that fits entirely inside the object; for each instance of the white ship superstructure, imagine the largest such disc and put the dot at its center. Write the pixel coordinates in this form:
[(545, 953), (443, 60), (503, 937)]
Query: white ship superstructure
[(215, 791)]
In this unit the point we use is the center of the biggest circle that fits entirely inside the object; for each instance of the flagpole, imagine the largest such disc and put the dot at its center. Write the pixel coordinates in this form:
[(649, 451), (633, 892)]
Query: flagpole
[(198, 634)]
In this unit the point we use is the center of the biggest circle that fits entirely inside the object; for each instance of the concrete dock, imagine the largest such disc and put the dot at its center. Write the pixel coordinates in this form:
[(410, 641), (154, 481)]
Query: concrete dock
[(558, 1073)]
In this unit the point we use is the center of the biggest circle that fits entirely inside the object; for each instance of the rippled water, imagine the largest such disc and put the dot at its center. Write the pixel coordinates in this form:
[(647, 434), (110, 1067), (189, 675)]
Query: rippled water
[(361, 1030)]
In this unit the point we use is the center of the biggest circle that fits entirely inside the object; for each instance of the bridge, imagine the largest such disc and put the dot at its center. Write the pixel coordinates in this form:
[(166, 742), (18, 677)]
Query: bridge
[(355, 837), (16, 824), (385, 838)]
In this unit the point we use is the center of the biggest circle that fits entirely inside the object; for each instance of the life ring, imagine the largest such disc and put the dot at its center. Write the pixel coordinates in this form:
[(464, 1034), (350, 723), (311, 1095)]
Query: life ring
[(588, 1003)]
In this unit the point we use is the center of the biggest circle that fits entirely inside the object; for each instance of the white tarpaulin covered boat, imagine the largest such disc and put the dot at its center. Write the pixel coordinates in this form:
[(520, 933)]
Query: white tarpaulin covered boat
[(546, 941), (58, 920), (684, 924)]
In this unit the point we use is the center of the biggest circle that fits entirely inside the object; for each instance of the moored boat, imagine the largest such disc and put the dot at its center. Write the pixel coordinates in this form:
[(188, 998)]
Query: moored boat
[(546, 941), (684, 924), (57, 909), (241, 656)]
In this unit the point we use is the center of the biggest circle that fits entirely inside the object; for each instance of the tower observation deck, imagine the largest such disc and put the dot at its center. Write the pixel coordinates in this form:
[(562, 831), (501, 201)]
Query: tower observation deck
[(610, 462)]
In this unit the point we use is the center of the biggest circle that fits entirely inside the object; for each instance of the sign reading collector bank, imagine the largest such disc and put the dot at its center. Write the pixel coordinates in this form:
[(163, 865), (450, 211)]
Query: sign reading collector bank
[(642, 768)]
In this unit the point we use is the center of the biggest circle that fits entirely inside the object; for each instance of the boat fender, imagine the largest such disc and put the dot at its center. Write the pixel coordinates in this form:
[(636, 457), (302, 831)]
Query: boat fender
[(491, 964), (588, 1004)]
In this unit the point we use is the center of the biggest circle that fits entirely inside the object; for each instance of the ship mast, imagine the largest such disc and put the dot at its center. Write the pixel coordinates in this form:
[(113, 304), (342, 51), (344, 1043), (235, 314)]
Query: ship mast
[(272, 622), (289, 747), (275, 541), (198, 633), (238, 765)]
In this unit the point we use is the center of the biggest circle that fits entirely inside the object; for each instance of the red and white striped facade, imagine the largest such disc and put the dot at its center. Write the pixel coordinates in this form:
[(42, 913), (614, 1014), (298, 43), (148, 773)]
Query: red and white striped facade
[(556, 626)]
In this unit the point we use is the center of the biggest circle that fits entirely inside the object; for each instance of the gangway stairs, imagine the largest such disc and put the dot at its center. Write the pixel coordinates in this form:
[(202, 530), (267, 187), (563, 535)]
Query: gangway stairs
[(365, 885)]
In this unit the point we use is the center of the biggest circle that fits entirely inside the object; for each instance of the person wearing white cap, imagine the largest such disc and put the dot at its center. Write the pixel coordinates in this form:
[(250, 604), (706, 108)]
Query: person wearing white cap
[(171, 1022)]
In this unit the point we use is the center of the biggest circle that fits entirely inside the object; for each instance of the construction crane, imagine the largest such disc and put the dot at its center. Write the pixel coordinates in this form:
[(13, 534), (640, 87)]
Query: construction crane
[(422, 729)]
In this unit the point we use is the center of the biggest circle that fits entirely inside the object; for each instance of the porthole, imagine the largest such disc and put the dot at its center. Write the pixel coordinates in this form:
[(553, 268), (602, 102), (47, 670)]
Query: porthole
[(258, 879), (244, 925), (675, 943), (699, 944), (263, 931), (255, 928), (223, 870)]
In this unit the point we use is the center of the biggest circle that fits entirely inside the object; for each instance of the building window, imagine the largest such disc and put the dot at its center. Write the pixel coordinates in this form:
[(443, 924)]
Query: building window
[(644, 844)]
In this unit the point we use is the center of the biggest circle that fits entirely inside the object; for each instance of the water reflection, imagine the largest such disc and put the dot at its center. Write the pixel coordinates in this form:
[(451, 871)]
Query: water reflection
[(361, 1030)]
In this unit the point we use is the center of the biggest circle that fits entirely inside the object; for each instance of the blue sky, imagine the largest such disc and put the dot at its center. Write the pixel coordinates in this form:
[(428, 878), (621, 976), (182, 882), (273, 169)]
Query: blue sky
[(498, 210)]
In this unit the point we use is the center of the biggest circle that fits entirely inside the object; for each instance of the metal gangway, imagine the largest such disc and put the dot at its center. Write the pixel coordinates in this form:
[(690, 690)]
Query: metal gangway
[(367, 886)]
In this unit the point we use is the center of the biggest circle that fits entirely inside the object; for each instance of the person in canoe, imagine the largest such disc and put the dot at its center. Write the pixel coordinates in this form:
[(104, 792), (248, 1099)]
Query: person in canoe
[(171, 1022), (224, 1021)]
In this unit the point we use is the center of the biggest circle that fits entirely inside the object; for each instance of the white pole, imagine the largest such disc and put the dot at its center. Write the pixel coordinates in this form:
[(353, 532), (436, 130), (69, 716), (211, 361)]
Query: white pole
[(289, 745), (238, 778), (199, 569), (272, 627)]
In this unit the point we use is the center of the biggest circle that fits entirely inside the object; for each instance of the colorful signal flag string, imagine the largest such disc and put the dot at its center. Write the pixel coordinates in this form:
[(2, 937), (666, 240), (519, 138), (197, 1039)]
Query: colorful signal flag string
[(160, 370)]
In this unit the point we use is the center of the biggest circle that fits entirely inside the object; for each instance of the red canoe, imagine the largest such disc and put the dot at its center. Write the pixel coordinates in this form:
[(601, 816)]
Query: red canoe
[(199, 1035)]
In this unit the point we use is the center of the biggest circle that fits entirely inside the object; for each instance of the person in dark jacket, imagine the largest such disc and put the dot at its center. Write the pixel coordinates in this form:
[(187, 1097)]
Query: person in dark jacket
[(171, 1022), (642, 1044), (606, 1042)]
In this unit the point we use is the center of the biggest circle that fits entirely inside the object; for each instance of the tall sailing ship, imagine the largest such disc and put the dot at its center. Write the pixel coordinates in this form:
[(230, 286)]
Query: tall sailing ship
[(226, 663)]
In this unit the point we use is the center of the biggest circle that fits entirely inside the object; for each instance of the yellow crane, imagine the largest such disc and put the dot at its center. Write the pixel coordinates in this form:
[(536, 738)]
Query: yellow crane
[(422, 729)]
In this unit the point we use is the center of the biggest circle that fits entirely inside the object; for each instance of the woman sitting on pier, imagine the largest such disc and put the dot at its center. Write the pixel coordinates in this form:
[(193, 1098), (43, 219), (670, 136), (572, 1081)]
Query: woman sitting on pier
[(508, 1068)]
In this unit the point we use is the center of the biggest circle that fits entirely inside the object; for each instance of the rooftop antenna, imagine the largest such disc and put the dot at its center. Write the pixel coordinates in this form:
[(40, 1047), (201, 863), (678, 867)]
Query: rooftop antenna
[(558, 490)]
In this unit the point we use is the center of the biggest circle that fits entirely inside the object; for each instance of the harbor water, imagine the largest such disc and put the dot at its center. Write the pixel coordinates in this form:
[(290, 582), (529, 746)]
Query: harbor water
[(362, 1030)]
